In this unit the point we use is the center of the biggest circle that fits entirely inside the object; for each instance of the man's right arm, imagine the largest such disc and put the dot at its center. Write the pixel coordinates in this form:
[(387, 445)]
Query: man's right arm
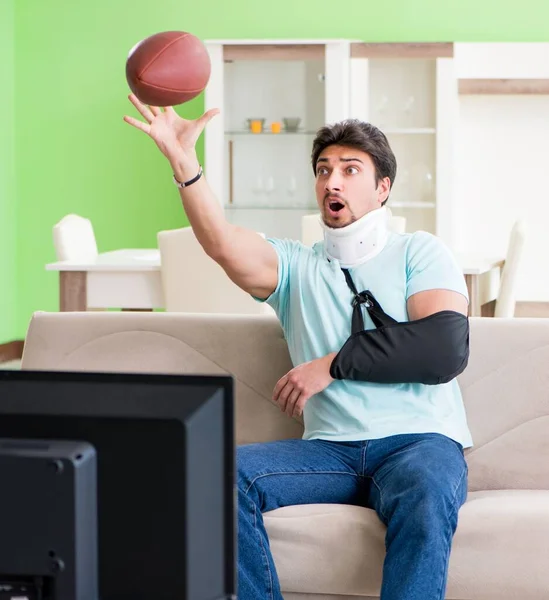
[(247, 258)]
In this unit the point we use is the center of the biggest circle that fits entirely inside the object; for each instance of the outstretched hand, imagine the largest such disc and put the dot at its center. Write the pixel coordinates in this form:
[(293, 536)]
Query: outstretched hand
[(172, 134)]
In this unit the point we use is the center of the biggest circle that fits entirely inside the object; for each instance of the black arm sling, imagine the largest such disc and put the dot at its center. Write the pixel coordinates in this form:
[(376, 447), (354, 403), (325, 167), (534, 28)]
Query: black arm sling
[(431, 350)]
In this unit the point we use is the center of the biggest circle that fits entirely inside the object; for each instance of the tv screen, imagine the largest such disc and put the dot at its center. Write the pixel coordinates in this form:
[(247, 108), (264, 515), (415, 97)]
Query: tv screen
[(165, 457)]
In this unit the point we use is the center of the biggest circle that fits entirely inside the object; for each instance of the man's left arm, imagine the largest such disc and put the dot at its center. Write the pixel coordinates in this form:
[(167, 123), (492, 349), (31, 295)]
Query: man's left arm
[(425, 304), (433, 346), (423, 353)]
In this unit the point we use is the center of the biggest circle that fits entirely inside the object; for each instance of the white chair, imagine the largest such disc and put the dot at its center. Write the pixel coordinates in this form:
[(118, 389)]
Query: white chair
[(311, 229), (397, 224), (194, 282), (506, 299), (74, 239)]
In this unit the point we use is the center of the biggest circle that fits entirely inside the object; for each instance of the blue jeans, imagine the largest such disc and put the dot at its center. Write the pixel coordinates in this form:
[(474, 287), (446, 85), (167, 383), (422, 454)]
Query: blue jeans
[(415, 482)]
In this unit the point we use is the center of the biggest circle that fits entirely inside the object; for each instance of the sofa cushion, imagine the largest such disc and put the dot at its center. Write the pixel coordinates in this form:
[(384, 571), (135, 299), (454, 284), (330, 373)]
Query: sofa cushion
[(339, 549)]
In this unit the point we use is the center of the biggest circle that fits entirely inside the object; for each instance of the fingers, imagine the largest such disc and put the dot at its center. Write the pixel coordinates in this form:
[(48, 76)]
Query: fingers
[(155, 110), (143, 110), (293, 398), (290, 396), (138, 124), (282, 397), (208, 116), (278, 387)]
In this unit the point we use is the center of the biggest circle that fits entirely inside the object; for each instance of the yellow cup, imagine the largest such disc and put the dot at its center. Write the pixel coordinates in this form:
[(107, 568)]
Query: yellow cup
[(275, 127), (256, 126)]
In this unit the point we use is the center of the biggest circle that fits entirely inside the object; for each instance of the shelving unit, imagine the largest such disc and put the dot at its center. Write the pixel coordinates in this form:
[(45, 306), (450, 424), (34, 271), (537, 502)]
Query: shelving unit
[(264, 180), (409, 91)]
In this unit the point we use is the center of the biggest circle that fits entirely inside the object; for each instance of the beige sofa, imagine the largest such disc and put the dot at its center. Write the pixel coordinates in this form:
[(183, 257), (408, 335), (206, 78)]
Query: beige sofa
[(335, 552)]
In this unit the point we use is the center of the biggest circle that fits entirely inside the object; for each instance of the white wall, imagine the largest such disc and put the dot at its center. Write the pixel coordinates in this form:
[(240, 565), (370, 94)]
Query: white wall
[(502, 167)]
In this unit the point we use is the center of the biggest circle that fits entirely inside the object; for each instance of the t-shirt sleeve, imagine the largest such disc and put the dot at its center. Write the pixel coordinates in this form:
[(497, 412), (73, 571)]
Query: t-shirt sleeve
[(430, 265), (287, 252)]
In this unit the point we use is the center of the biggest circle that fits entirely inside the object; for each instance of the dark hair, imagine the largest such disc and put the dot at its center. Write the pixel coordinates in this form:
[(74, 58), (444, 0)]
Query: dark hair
[(362, 136)]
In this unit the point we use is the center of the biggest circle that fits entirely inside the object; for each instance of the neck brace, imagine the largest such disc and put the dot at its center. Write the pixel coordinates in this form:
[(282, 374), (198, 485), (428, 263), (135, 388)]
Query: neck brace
[(360, 241)]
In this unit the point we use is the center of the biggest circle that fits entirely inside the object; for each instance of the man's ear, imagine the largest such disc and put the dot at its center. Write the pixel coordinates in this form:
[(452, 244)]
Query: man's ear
[(383, 189)]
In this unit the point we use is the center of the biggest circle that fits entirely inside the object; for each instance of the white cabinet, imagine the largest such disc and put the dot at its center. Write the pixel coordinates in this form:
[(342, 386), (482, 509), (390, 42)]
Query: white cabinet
[(265, 180), (263, 177), (410, 92)]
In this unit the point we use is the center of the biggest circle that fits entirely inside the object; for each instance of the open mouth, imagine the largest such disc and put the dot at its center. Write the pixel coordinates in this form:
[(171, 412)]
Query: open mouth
[(335, 206)]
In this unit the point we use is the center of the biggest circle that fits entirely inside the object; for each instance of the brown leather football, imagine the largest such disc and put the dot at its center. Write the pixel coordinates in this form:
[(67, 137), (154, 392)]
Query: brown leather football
[(168, 68)]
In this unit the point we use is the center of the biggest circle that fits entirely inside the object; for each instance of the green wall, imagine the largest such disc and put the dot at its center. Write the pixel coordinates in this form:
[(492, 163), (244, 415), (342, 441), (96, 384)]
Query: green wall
[(8, 304), (75, 154)]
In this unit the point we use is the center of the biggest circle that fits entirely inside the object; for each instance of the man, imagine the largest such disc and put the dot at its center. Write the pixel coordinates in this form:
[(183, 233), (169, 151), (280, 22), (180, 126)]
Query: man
[(385, 425)]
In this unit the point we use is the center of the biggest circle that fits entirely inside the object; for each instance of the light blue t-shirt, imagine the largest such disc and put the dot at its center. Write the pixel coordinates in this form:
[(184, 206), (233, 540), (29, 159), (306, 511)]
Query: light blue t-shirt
[(313, 303)]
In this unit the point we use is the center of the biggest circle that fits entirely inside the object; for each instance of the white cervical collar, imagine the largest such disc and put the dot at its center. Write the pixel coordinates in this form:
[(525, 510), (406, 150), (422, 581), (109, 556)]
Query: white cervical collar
[(360, 241)]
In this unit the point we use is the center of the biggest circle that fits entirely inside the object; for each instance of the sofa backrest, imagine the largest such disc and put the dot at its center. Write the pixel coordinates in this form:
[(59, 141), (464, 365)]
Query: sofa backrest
[(249, 347), (505, 386), (506, 393)]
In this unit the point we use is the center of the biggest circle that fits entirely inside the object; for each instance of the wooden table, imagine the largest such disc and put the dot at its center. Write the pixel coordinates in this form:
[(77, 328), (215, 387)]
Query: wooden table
[(482, 276), (126, 278), (130, 279)]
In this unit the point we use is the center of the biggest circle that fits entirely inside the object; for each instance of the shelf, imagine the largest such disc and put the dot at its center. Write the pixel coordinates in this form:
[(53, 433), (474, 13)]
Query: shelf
[(282, 207), (409, 131), (263, 133), (273, 51), (503, 86), (386, 131), (411, 204), (270, 207), (402, 50)]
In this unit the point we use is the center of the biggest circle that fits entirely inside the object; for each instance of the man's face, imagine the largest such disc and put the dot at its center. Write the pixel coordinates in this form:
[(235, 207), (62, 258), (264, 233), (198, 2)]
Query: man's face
[(346, 186)]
